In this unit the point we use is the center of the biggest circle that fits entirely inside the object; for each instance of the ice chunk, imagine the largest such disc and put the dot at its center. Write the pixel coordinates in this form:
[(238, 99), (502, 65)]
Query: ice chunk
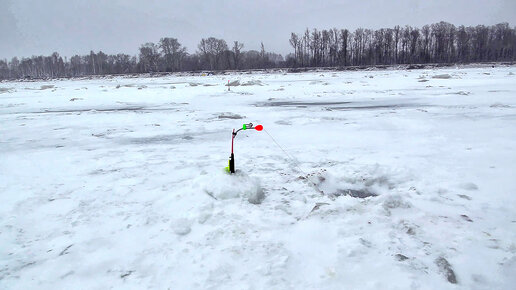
[(442, 76), (233, 83), (446, 269), (252, 83), (44, 87)]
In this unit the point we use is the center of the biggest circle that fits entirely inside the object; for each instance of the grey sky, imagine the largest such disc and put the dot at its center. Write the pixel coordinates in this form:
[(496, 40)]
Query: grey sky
[(29, 27)]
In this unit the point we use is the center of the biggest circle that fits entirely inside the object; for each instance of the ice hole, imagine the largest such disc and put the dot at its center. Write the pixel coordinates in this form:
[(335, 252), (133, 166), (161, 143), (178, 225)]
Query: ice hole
[(357, 193)]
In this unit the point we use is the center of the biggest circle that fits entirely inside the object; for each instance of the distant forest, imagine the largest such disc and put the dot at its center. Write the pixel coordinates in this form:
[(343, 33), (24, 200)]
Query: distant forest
[(437, 43)]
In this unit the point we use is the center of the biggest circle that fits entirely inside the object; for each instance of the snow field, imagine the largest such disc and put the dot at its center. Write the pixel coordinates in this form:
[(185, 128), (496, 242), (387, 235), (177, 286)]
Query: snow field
[(119, 182)]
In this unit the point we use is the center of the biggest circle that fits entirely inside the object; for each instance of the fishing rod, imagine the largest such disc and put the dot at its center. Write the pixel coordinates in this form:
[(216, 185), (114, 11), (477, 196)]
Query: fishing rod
[(231, 167)]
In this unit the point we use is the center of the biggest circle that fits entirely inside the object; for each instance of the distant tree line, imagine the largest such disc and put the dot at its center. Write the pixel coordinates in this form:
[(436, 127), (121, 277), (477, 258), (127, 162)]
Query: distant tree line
[(437, 43), (166, 56)]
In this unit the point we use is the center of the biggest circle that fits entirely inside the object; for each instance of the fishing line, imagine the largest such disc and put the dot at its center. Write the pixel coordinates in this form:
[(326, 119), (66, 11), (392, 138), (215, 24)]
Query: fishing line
[(294, 161)]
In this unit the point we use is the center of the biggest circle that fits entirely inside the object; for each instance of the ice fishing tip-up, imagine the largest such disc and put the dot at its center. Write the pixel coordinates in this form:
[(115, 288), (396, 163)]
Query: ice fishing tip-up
[(231, 167), (248, 126)]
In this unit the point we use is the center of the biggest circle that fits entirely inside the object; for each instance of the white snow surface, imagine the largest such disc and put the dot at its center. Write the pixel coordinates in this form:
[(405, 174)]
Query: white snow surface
[(119, 183)]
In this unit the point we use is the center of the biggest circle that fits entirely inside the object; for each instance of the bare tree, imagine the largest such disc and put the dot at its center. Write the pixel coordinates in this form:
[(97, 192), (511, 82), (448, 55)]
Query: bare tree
[(263, 55), (149, 57), (172, 52), (294, 41), (237, 55), (212, 49), (343, 51)]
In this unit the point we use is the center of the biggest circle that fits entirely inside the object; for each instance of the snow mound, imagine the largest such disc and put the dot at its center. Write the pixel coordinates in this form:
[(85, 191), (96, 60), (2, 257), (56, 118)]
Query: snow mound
[(181, 227), (343, 186), (468, 186), (223, 186)]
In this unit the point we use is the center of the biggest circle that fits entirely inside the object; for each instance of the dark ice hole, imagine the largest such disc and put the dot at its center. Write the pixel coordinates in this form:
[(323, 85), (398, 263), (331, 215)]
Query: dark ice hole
[(295, 104), (159, 139), (340, 105), (362, 193)]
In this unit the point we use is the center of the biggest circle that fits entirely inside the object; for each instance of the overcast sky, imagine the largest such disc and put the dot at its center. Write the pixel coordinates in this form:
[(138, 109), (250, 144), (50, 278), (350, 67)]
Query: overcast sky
[(29, 27)]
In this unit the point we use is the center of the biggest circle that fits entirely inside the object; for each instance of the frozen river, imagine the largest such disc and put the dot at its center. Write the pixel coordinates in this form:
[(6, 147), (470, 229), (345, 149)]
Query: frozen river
[(387, 179)]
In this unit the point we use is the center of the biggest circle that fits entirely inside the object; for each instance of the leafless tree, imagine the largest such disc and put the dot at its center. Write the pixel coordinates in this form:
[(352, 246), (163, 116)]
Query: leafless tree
[(237, 53), (149, 57), (172, 52)]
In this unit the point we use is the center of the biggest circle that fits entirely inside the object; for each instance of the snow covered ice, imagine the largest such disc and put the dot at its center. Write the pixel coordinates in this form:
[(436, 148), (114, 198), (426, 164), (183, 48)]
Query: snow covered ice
[(119, 182)]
